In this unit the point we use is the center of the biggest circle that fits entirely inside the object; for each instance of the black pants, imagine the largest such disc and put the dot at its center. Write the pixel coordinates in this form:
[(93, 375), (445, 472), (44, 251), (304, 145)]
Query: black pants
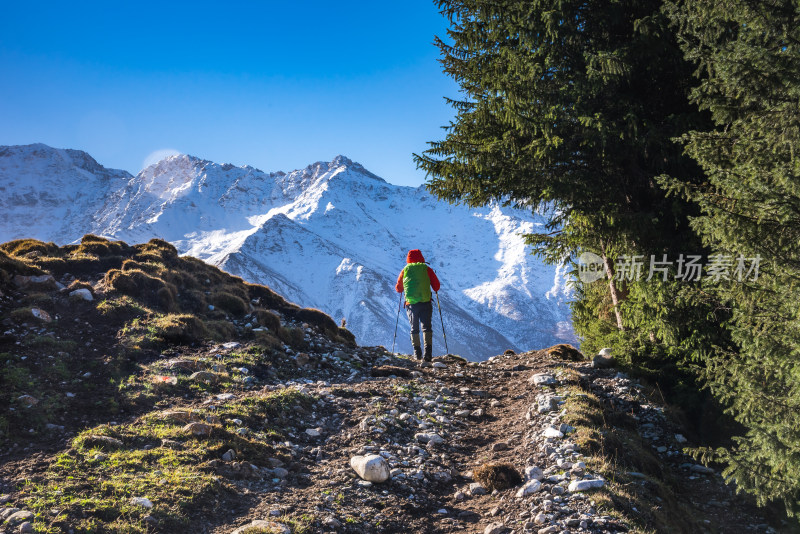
[(421, 312)]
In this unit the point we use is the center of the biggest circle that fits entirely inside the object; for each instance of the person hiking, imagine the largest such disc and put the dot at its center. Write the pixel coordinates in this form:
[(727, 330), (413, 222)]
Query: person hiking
[(417, 280)]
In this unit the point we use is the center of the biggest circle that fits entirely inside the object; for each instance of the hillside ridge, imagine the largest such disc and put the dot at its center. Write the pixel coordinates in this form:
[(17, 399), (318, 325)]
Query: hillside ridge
[(146, 392)]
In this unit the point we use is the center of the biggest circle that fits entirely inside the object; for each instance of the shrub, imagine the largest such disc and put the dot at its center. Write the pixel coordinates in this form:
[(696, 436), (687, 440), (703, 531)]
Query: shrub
[(230, 303), (268, 319), (22, 247)]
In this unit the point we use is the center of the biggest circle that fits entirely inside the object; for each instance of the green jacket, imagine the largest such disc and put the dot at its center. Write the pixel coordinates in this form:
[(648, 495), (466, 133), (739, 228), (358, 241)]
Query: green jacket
[(416, 283)]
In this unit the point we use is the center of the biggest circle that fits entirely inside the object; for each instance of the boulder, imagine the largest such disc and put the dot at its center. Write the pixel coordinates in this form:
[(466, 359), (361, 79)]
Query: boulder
[(81, 294), (530, 487), (542, 379), (372, 467)]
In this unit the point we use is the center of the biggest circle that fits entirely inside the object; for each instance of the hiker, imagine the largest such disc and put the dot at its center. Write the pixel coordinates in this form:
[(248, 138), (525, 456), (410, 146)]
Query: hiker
[(417, 279)]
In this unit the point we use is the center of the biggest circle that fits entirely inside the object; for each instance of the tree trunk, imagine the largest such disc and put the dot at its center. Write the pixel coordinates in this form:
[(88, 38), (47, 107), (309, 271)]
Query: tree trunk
[(613, 288)]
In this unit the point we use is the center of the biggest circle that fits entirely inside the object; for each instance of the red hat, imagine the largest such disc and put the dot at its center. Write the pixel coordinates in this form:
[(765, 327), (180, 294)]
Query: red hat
[(415, 256)]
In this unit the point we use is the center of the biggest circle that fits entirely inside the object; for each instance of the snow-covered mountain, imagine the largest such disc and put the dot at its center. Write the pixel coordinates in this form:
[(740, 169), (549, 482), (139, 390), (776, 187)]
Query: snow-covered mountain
[(331, 236)]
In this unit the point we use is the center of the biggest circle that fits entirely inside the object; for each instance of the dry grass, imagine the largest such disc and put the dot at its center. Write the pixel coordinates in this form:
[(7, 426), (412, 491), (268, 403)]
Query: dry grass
[(496, 476)]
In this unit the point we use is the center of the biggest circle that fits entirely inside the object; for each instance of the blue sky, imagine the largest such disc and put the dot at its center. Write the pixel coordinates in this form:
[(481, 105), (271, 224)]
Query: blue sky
[(276, 85)]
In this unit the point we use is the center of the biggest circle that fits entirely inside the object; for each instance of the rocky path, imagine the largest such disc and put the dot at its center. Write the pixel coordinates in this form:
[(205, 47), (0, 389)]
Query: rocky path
[(484, 448), (438, 426)]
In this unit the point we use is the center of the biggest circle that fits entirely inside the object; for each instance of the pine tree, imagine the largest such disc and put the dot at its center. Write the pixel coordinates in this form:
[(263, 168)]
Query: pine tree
[(748, 57), (571, 107)]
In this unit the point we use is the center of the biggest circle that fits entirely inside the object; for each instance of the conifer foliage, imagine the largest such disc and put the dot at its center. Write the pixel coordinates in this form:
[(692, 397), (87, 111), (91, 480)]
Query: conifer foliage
[(748, 56)]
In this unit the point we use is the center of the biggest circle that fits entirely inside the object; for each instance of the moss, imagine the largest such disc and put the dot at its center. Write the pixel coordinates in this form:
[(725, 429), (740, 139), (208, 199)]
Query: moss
[(346, 336), (565, 352), (294, 337), (266, 297), (121, 309), (230, 303), (269, 320), (220, 330), (101, 247), (497, 476), (24, 247)]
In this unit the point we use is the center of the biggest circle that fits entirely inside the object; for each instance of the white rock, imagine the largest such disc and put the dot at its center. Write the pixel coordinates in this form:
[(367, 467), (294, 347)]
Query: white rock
[(313, 433), (372, 467), (585, 485), (605, 352), (439, 365), (495, 528), (83, 294), (551, 432), (680, 438), (429, 437), (142, 501), (534, 473), (542, 379), (530, 487)]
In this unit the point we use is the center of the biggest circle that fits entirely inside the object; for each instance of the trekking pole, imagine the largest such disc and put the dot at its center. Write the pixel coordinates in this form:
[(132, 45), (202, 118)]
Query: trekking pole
[(442, 320), (397, 321)]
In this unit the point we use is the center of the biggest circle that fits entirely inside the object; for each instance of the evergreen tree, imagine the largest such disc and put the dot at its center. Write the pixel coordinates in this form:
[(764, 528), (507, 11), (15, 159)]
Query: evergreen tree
[(571, 107), (748, 57)]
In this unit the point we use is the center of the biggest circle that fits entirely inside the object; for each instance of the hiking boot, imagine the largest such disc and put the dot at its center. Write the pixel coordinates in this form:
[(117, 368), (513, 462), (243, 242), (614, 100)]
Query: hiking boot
[(417, 349), (428, 338)]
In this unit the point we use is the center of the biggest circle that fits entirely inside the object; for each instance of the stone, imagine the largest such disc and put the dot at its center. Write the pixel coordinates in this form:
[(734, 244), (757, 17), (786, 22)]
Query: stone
[(19, 517), (141, 501), (429, 437), (313, 433), (102, 442), (229, 456), (585, 485), (26, 527), (439, 365), (81, 294), (533, 473), (332, 522), (205, 376), (552, 529), (41, 282), (302, 359), (261, 525), (180, 416), (530, 487), (557, 490), (680, 438), (499, 446), (372, 467), (551, 432), (280, 472), (495, 528), (542, 379), (602, 361), (476, 489), (703, 470), (28, 400), (541, 518), (198, 429), (5, 498), (41, 315)]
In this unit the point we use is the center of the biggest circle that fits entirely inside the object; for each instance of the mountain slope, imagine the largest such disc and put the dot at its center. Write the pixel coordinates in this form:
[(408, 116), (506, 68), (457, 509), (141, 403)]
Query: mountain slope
[(334, 236)]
